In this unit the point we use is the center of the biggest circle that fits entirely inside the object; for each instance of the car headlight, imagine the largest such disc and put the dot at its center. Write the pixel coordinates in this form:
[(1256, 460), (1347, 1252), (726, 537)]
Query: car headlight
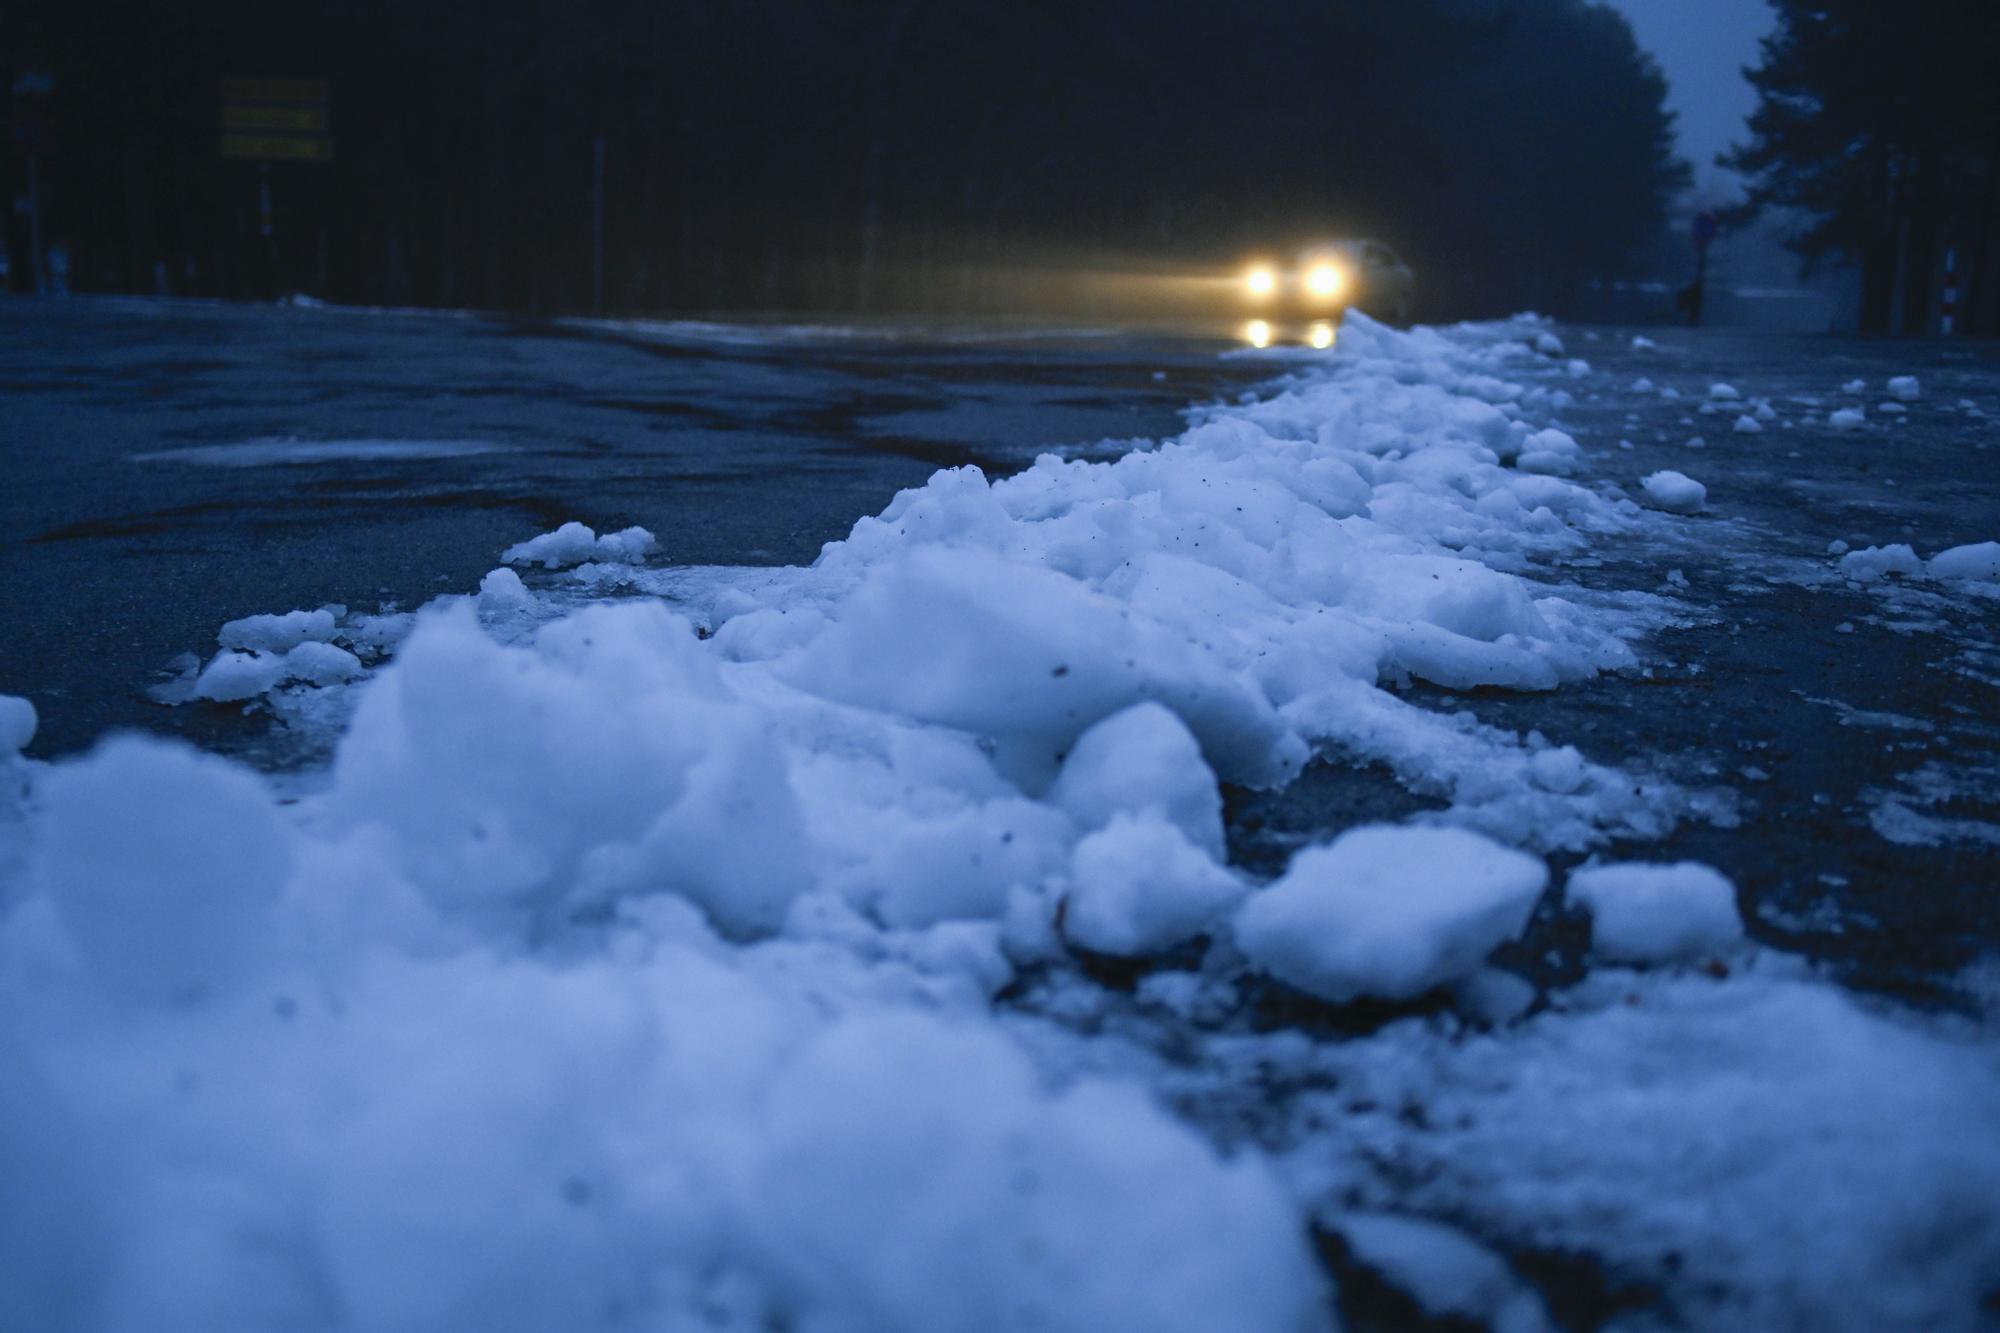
[(1325, 282), (1321, 335), (1257, 333), (1260, 281)]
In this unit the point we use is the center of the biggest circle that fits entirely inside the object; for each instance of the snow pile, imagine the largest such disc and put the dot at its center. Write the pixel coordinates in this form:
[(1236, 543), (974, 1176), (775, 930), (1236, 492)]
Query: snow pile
[(1847, 418), (625, 972), (1905, 388), (575, 544), (1748, 425), (1674, 492), (1389, 912), (1657, 913)]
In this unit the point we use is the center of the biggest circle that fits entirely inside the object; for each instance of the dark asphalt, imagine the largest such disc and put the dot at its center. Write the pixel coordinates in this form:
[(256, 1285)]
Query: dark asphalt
[(731, 450), (1859, 727)]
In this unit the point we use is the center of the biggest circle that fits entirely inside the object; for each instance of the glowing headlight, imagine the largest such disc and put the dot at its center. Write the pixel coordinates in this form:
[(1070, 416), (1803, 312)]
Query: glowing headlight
[(1260, 282), (1321, 335), (1325, 281), (1257, 333)]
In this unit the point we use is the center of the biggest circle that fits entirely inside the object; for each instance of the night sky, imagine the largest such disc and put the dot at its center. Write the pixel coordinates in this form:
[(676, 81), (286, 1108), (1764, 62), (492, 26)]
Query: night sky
[(1703, 45)]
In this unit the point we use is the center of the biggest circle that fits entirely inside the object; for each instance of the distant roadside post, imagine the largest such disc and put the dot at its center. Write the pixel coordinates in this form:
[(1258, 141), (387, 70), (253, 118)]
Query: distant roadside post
[(30, 129), (1705, 226), (274, 120)]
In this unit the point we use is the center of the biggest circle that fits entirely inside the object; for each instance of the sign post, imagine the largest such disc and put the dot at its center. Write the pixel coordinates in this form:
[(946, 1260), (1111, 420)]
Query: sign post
[(32, 92), (274, 120), (1705, 227)]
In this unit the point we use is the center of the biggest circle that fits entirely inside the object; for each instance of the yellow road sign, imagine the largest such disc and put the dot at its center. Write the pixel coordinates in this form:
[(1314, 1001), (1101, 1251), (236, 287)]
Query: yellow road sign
[(276, 148), (280, 119), (296, 91)]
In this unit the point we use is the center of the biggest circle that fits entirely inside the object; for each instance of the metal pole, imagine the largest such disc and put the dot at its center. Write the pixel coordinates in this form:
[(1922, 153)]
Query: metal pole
[(35, 222), (597, 226)]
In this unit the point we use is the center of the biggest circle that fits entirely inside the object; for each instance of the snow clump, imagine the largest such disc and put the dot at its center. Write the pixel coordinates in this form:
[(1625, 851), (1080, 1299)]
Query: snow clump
[(1674, 492), (1389, 912), (17, 724), (575, 544), (1657, 913), (1874, 562), (1847, 418), (1905, 388), (280, 633), (1977, 561)]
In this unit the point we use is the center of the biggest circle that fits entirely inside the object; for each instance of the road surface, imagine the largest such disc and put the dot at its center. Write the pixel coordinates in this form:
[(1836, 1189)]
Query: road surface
[(156, 490)]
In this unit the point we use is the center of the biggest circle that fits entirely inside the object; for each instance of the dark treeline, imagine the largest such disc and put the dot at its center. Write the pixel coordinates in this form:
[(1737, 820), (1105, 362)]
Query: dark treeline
[(861, 154), (1881, 124)]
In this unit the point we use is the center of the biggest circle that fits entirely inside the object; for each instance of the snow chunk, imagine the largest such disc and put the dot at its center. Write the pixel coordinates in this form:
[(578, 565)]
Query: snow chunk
[(919, 1177), (162, 866), (1874, 562), (1748, 425), (17, 724), (1674, 492), (1448, 1274), (1641, 343), (235, 676), (1905, 388), (1548, 344), (575, 544), (1550, 453), (1979, 561), (1142, 759), (279, 634), (1723, 393), (1140, 887), (1847, 418), (1389, 912), (624, 765), (1641, 913), (1031, 658), (502, 591)]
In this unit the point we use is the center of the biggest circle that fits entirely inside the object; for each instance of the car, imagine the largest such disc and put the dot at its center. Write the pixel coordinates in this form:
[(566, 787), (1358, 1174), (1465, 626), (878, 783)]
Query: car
[(1324, 283)]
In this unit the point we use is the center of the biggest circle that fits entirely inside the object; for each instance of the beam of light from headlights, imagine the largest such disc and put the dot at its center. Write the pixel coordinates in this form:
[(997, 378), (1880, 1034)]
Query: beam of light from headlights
[(1260, 281), (1321, 335), (1257, 333), (1325, 282)]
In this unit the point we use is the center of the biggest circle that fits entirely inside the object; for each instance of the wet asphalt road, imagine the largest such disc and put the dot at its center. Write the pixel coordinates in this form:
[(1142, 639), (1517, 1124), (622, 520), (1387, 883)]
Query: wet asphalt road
[(733, 448), (1858, 728)]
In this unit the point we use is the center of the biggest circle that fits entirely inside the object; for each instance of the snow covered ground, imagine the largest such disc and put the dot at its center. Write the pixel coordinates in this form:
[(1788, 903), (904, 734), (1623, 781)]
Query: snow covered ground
[(856, 945)]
